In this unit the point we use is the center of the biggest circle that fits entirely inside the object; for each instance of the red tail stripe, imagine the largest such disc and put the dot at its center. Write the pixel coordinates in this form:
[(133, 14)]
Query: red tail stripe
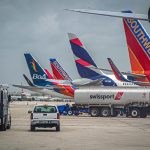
[(82, 62), (76, 41)]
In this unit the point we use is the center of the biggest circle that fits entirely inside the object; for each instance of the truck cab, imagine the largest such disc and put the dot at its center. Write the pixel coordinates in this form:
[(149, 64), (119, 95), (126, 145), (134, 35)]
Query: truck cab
[(44, 116)]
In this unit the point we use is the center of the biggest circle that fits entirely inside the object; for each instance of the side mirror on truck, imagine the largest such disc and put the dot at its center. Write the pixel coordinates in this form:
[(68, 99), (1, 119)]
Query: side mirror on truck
[(29, 112)]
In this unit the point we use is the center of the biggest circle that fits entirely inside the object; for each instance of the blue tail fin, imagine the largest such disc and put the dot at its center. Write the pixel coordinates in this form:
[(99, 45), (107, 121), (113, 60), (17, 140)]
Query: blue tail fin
[(37, 73), (84, 63), (58, 72)]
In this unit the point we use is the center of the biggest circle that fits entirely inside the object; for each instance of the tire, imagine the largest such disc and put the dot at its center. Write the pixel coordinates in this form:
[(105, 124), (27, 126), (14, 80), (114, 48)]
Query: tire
[(70, 113), (58, 128), (9, 125), (4, 126), (76, 113), (115, 114), (135, 112), (95, 112), (32, 128), (105, 112), (143, 113)]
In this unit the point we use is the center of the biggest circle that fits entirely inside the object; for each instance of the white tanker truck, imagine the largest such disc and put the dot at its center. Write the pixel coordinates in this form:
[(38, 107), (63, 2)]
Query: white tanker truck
[(111, 101)]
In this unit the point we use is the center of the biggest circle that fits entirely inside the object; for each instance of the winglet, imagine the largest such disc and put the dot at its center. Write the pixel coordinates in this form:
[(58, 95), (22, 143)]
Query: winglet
[(28, 81), (116, 71)]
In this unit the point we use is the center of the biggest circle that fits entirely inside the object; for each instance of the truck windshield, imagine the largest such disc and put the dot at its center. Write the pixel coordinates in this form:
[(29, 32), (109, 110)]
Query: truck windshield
[(45, 109)]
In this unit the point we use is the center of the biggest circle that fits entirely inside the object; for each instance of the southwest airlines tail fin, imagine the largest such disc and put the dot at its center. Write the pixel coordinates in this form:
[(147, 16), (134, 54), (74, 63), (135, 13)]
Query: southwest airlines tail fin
[(58, 71), (37, 73), (138, 43), (116, 71), (84, 63)]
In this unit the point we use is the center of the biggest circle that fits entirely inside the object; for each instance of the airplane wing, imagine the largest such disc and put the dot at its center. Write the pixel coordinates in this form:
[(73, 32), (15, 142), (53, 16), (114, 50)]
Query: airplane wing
[(124, 73), (54, 87), (142, 83), (37, 88), (32, 88), (124, 14), (94, 82), (120, 76), (86, 82), (134, 75)]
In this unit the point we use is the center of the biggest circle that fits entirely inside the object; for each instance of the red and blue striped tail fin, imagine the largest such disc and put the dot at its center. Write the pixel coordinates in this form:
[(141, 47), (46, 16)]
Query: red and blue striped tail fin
[(84, 63)]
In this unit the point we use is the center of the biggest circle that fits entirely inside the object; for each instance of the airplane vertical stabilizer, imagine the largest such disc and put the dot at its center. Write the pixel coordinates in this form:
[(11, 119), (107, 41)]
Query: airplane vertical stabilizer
[(138, 43), (84, 63), (37, 73), (58, 72)]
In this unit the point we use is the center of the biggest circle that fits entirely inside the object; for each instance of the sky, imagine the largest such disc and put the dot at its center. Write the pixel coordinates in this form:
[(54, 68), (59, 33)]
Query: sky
[(40, 27)]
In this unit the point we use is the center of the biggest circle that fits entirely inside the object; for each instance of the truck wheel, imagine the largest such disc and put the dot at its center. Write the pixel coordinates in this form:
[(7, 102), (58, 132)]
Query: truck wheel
[(4, 126), (115, 114), (94, 112), (143, 113), (70, 113), (135, 112), (32, 128), (9, 125), (76, 113), (105, 112), (58, 128)]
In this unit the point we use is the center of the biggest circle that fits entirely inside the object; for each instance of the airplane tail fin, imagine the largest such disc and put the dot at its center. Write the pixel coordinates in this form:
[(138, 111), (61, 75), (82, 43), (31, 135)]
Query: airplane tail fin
[(58, 71), (116, 71), (84, 63), (37, 73), (138, 42)]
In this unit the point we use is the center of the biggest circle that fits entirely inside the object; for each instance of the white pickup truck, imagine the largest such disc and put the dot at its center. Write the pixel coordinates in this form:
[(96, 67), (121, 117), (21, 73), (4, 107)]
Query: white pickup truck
[(44, 116)]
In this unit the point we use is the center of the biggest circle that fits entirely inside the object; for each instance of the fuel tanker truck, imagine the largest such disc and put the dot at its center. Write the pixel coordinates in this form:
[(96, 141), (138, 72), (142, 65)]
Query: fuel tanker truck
[(111, 101)]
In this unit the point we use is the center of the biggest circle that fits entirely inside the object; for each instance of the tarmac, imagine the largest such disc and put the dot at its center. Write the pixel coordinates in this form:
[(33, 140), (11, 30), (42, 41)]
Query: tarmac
[(77, 133)]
